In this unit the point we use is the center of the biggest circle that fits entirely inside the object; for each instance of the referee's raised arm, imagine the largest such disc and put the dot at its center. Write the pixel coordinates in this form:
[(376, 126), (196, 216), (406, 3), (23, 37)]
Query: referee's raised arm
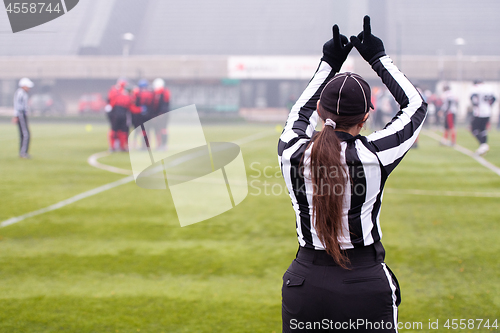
[(303, 118), (397, 137)]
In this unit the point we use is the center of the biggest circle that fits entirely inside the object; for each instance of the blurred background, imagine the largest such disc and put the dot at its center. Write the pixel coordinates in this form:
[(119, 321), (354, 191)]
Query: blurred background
[(248, 59), (83, 249)]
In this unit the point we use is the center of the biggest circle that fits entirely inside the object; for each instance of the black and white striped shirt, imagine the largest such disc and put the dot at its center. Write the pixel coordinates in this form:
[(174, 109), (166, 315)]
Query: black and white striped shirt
[(368, 160), (20, 102)]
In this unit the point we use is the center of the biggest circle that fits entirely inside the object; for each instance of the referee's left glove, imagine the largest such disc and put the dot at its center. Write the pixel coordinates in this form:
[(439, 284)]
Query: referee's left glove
[(370, 47), (336, 50)]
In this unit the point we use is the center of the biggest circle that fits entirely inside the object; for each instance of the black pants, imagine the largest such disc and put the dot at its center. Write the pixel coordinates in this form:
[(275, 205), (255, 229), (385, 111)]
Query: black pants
[(320, 296), (479, 128), (118, 119), (24, 134), (137, 119)]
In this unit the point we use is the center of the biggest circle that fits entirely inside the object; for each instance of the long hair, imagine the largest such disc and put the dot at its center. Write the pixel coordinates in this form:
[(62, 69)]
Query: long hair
[(329, 178)]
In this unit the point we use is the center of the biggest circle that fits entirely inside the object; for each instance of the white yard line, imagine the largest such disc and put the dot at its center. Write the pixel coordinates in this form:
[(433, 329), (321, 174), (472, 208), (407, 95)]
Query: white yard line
[(69, 201), (464, 151), (93, 161), (254, 137), (467, 152), (443, 193)]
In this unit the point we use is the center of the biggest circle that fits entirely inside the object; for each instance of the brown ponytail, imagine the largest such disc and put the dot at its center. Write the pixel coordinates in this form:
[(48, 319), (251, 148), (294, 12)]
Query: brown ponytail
[(329, 178)]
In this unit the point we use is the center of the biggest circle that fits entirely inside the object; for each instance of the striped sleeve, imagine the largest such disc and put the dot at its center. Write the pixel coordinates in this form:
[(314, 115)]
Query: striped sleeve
[(292, 145), (303, 117), (391, 144)]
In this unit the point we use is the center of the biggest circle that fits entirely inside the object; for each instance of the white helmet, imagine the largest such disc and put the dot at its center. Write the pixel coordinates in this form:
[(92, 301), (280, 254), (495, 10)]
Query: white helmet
[(158, 84), (25, 82)]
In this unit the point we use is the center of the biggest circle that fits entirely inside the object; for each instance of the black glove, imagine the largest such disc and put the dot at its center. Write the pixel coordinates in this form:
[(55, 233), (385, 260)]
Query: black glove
[(370, 47), (336, 50)]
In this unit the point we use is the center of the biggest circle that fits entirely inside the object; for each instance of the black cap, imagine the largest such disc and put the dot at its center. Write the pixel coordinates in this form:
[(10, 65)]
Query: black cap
[(347, 94)]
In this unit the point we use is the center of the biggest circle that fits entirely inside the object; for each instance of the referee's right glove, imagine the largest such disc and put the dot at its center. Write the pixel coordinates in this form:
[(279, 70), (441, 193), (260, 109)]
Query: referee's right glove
[(336, 50), (370, 47)]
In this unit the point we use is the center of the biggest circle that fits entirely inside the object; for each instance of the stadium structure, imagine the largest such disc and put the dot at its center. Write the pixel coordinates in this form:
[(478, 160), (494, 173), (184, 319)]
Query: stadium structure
[(229, 57)]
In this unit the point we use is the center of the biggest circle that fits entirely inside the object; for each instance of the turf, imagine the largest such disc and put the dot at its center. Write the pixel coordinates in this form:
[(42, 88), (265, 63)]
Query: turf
[(119, 261)]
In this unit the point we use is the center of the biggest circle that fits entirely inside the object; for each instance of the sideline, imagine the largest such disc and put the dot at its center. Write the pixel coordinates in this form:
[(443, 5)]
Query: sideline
[(93, 161), (467, 152), (464, 151)]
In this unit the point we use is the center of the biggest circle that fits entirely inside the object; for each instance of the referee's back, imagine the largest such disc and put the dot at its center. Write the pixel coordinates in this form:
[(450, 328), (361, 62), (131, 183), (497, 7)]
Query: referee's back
[(368, 161)]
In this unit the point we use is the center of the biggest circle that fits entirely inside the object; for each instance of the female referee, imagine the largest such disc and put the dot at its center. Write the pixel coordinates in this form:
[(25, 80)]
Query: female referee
[(335, 179)]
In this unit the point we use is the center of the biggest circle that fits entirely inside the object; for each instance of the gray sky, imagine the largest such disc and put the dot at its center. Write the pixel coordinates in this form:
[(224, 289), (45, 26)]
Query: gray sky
[(258, 27)]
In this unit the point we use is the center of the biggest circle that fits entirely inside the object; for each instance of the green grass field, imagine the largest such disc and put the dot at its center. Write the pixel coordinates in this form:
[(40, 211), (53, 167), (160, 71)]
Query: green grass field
[(119, 261)]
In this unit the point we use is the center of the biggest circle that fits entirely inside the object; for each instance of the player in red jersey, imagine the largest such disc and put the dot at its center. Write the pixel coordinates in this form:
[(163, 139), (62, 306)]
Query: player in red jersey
[(449, 110), (120, 103), (115, 91)]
